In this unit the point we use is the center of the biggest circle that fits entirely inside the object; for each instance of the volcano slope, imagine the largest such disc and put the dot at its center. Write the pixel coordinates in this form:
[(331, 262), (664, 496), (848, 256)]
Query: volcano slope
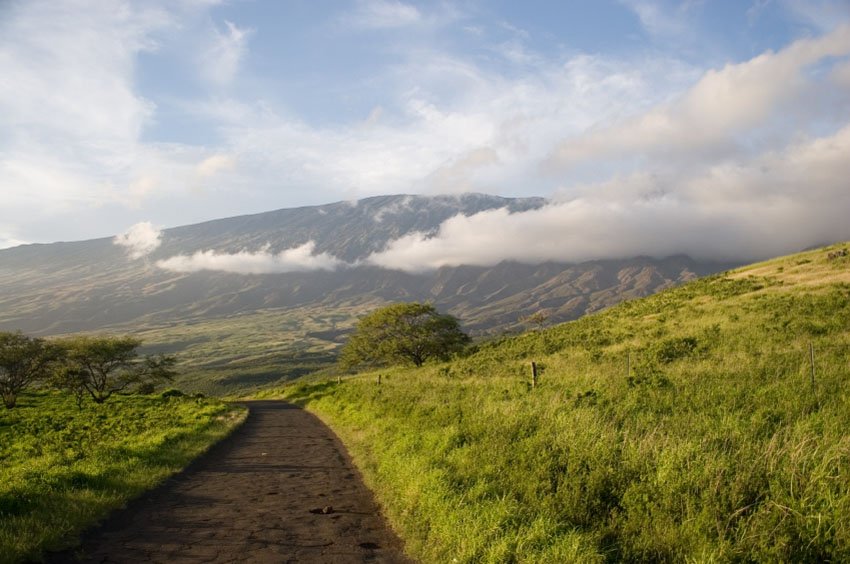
[(235, 329), (705, 423)]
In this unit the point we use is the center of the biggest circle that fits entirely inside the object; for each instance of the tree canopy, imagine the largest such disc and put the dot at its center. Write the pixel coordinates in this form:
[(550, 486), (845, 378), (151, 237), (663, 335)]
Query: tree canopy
[(403, 333), (102, 366), (23, 360)]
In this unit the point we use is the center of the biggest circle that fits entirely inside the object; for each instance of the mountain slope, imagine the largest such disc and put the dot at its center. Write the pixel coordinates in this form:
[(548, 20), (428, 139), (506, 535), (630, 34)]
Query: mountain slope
[(688, 426), (95, 286)]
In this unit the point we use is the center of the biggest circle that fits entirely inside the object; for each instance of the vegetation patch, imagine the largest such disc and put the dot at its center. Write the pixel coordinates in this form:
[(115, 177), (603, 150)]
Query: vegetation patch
[(706, 423), (63, 467)]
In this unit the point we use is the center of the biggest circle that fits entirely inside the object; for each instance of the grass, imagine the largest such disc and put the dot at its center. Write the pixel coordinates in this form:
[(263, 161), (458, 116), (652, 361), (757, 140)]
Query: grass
[(715, 446), (62, 469), (244, 352)]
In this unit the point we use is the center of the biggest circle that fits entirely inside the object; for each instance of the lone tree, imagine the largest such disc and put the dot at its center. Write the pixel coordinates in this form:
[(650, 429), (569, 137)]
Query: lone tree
[(403, 333), (102, 366), (23, 360), (537, 319)]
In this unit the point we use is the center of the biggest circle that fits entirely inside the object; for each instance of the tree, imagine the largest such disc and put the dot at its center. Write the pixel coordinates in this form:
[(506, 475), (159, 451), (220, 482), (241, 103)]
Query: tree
[(23, 360), (537, 319), (102, 366), (403, 333)]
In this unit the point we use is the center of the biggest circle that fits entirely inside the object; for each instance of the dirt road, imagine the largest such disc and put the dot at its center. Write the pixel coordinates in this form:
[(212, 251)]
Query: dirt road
[(280, 489)]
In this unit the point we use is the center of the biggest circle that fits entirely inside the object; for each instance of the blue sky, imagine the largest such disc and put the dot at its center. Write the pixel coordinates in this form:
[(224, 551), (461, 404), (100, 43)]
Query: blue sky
[(119, 112)]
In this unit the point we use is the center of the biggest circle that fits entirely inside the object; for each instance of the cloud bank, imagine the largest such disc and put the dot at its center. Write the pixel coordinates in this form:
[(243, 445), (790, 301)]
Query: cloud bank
[(724, 104), (297, 259), (779, 203), (139, 240)]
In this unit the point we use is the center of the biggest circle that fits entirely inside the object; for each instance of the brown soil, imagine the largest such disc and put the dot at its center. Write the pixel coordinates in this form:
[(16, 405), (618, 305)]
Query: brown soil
[(281, 488)]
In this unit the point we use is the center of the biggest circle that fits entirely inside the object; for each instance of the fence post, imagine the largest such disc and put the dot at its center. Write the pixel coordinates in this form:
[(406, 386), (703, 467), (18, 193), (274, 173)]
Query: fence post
[(533, 374), (629, 365), (338, 379), (812, 358), (379, 378)]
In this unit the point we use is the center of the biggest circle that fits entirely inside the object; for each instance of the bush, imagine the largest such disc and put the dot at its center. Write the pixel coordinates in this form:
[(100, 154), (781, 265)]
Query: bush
[(675, 348)]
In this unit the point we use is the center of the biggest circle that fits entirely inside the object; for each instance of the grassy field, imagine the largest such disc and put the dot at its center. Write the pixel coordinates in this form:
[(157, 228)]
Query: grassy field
[(62, 468), (685, 427), (245, 352)]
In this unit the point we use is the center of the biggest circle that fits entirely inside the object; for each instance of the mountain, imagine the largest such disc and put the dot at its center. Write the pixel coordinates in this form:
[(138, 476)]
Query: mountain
[(215, 316)]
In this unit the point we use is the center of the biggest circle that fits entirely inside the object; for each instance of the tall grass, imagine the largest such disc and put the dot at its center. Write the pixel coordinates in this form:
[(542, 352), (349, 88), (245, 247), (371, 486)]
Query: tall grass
[(62, 468), (682, 427)]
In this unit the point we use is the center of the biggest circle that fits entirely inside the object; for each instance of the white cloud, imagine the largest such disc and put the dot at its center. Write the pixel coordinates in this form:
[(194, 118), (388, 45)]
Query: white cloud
[(841, 77), (220, 63), (382, 14), (374, 116), (458, 175), (756, 9), (823, 15), (74, 121), (7, 241), (397, 207), (140, 240), (778, 203), (657, 19), (215, 164), (297, 259), (723, 104), (479, 131), (69, 112)]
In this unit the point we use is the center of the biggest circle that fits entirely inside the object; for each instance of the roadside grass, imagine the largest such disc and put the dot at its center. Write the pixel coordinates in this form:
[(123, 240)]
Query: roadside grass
[(682, 427), (62, 469)]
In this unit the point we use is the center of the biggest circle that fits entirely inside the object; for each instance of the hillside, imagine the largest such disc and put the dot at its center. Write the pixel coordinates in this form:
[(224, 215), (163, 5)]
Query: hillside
[(240, 329), (687, 426)]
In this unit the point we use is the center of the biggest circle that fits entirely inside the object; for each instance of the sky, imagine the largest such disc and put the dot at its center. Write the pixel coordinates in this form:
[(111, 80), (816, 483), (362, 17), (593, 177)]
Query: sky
[(717, 128)]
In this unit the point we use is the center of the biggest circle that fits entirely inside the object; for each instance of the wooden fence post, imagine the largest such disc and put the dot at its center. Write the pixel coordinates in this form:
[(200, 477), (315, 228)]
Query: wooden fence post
[(812, 358), (533, 374), (379, 378)]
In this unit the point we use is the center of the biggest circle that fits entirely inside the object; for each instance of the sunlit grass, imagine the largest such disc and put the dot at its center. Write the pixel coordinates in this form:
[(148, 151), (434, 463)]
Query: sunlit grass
[(682, 427), (62, 468)]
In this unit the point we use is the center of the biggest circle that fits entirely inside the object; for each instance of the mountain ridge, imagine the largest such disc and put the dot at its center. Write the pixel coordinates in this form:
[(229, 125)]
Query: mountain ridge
[(94, 286)]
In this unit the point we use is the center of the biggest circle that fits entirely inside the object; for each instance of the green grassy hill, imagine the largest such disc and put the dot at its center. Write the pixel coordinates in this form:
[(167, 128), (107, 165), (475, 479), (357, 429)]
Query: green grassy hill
[(686, 426)]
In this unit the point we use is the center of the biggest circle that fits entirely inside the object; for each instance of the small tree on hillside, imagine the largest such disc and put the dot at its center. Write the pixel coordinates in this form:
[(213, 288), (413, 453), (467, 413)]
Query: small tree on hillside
[(537, 319), (403, 333), (102, 366), (23, 360)]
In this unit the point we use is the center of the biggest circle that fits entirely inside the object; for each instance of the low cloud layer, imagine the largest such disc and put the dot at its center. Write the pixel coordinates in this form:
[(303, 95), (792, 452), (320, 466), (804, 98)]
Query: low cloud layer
[(778, 203), (296, 259), (139, 240)]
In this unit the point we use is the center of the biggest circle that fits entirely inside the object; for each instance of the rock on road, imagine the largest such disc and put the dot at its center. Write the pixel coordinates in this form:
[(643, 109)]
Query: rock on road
[(281, 488)]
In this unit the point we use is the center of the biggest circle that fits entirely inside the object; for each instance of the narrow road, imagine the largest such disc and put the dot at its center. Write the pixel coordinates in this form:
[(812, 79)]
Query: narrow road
[(280, 489)]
